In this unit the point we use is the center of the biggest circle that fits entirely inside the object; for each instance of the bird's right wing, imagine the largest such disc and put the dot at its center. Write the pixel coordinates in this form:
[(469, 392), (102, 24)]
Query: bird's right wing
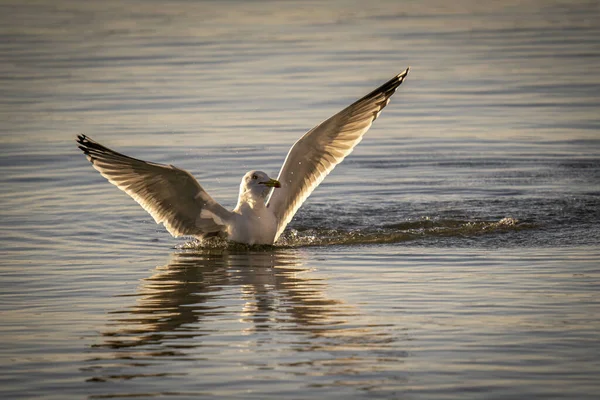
[(316, 153), (170, 195)]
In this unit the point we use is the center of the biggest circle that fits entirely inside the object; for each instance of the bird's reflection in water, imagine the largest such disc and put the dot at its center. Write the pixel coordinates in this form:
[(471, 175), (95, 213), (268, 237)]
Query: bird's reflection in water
[(271, 289), (204, 304)]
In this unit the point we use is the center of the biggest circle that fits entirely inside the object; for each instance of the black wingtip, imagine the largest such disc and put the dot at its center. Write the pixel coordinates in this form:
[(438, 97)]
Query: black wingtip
[(86, 143), (81, 143), (94, 150), (87, 146), (82, 139), (402, 75)]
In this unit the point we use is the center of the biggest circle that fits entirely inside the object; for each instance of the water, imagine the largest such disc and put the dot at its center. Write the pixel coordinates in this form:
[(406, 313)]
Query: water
[(454, 254)]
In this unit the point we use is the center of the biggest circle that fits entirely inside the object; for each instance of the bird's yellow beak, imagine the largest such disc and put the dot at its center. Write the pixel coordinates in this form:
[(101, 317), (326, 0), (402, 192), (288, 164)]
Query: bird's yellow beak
[(271, 183)]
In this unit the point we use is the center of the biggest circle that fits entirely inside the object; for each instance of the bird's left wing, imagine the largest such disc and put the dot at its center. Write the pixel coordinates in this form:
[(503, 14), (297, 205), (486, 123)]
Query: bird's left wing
[(172, 196), (316, 153)]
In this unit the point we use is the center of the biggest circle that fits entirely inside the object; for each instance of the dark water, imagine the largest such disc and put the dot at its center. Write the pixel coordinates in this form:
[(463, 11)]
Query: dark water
[(454, 254)]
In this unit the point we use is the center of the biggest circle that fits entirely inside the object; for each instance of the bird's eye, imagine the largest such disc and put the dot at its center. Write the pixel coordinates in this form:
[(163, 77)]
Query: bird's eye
[(254, 177)]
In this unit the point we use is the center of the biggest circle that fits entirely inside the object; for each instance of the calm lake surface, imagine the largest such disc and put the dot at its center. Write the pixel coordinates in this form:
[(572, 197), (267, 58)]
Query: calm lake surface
[(453, 255)]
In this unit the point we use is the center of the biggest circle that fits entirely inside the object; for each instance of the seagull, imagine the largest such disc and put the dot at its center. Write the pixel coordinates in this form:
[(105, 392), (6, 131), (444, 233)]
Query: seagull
[(173, 197)]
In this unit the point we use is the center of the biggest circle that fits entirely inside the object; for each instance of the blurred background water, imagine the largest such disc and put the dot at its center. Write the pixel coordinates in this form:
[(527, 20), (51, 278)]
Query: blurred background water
[(454, 254)]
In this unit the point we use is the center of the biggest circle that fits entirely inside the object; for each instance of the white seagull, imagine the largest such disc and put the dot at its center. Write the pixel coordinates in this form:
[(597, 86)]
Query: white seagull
[(265, 206)]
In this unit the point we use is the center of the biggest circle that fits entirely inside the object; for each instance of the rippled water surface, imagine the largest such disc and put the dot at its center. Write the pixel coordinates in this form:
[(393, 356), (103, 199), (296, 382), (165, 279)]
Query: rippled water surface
[(453, 255)]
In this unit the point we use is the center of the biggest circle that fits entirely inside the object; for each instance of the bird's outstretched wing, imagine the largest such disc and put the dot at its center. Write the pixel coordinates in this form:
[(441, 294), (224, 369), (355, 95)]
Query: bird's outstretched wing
[(171, 195), (316, 153)]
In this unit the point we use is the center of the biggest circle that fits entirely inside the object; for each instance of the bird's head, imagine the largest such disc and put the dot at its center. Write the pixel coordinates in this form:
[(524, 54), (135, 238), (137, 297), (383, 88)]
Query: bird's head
[(257, 185)]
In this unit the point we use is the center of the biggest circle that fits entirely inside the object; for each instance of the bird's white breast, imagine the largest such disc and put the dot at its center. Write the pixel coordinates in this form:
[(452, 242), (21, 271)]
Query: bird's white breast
[(253, 226)]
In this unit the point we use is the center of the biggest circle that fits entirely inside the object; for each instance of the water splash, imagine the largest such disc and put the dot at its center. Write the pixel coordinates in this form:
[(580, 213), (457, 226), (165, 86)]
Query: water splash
[(392, 233)]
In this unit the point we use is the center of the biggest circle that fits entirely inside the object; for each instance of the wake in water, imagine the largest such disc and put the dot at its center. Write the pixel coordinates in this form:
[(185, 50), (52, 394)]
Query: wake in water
[(392, 233)]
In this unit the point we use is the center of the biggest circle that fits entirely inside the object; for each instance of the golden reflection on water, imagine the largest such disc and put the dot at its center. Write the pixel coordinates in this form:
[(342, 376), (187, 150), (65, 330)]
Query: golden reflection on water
[(203, 296), (272, 285)]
